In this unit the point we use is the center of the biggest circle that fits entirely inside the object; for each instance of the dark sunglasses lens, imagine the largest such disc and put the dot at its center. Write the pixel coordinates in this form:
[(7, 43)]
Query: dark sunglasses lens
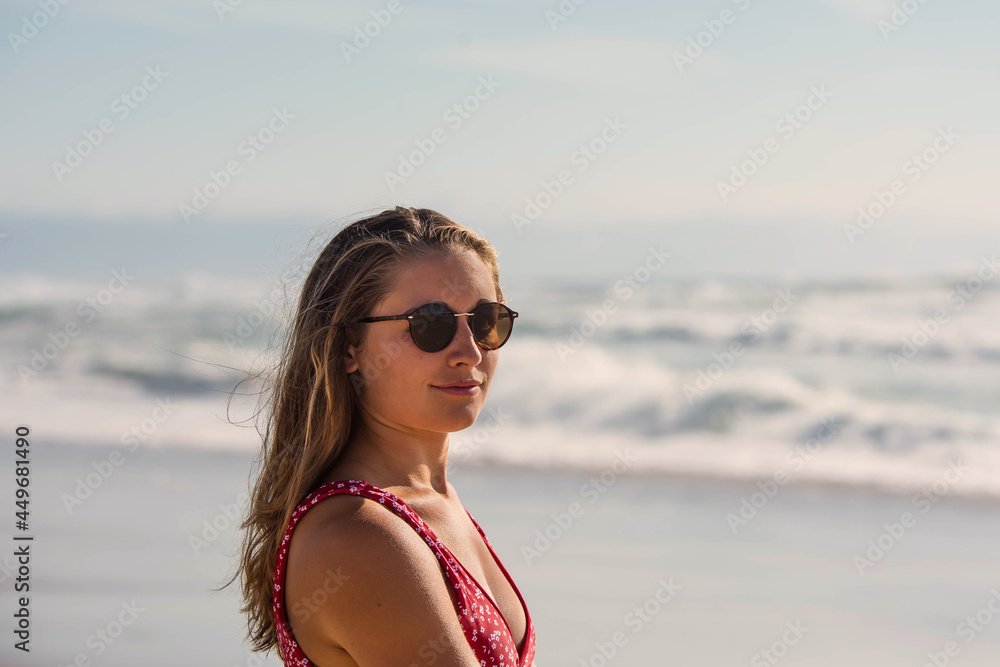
[(491, 325), (432, 327)]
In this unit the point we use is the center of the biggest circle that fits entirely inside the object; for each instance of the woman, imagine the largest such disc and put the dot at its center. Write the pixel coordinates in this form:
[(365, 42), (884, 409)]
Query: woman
[(394, 345)]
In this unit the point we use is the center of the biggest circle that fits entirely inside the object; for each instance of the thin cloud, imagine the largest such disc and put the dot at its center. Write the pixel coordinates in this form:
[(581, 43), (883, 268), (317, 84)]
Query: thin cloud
[(197, 16), (864, 11), (586, 63)]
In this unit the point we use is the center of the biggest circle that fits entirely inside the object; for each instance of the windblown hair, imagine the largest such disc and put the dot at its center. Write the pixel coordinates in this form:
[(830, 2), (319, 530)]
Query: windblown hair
[(311, 400)]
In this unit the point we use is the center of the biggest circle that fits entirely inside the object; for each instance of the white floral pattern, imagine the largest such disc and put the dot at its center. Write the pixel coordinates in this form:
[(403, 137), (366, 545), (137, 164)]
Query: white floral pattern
[(484, 626)]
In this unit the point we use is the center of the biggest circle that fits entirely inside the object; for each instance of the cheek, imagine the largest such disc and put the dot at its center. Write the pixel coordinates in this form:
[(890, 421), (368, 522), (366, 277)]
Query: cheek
[(384, 354), (397, 373), (489, 365)]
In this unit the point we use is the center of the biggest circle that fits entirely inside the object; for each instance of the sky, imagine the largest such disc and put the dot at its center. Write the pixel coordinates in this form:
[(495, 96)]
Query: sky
[(788, 116)]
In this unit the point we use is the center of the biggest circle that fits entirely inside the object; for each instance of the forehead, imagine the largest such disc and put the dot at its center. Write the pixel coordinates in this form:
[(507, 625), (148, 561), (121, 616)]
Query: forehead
[(459, 279)]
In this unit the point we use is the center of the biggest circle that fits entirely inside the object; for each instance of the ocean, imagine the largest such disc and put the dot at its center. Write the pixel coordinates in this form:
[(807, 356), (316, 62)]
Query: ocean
[(811, 467), (699, 378)]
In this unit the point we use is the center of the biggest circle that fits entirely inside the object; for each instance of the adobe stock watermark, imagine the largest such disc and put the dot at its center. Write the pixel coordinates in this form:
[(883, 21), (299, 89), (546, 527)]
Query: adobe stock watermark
[(122, 107), (969, 628), (363, 35), (105, 468), (225, 7), (31, 25), (248, 149), (306, 606), (592, 490), (229, 514), (928, 329), (624, 288), (754, 328), (795, 460), (900, 16), (914, 167), (786, 126), (894, 532), (454, 116), (88, 310), (698, 43), (779, 648), (101, 640), (581, 159), (8, 568), (562, 12), (432, 649), (465, 445), (246, 326), (257, 660), (637, 619)]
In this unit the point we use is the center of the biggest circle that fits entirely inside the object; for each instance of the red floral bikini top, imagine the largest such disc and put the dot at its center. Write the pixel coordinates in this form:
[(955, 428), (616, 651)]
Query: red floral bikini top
[(484, 625)]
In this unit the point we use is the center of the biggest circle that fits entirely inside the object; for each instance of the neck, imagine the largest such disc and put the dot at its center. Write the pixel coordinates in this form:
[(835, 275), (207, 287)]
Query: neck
[(387, 457)]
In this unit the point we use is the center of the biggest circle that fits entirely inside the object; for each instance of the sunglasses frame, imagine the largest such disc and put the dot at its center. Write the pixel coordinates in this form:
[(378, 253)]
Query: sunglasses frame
[(411, 315)]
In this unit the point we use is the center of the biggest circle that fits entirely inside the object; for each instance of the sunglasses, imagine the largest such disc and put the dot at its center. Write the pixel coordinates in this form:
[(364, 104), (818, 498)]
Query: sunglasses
[(433, 325)]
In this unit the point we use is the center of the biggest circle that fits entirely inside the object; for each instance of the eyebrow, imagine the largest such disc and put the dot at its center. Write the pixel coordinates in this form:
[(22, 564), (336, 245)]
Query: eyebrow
[(478, 303)]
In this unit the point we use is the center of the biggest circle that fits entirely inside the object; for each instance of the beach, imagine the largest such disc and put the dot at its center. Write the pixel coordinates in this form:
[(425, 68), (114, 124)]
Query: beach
[(649, 572)]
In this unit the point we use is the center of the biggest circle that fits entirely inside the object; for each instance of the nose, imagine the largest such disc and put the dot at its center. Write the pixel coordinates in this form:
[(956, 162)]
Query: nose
[(464, 342)]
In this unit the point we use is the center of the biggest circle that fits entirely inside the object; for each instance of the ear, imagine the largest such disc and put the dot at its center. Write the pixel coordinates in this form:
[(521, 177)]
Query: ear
[(351, 359)]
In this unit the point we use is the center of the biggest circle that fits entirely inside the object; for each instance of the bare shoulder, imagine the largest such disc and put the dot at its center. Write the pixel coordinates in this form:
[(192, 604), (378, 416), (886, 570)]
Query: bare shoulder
[(362, 587)]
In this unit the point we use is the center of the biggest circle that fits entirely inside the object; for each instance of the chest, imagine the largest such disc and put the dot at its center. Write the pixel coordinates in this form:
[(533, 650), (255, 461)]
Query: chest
[(456, 531)]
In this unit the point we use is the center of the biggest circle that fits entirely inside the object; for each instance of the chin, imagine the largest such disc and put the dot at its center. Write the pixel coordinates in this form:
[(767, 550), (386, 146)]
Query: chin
[(460, 419)]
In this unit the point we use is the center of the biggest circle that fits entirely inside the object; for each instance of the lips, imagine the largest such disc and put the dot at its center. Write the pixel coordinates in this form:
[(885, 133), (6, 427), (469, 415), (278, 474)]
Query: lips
[(461, 383), (465, 388)]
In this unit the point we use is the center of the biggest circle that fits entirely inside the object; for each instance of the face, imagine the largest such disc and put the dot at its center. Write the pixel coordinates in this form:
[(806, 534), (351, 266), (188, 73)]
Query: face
[(400, 380)]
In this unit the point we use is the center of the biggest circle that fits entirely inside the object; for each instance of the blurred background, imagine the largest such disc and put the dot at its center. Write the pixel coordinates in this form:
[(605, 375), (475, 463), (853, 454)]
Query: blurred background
[(752, 245)]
